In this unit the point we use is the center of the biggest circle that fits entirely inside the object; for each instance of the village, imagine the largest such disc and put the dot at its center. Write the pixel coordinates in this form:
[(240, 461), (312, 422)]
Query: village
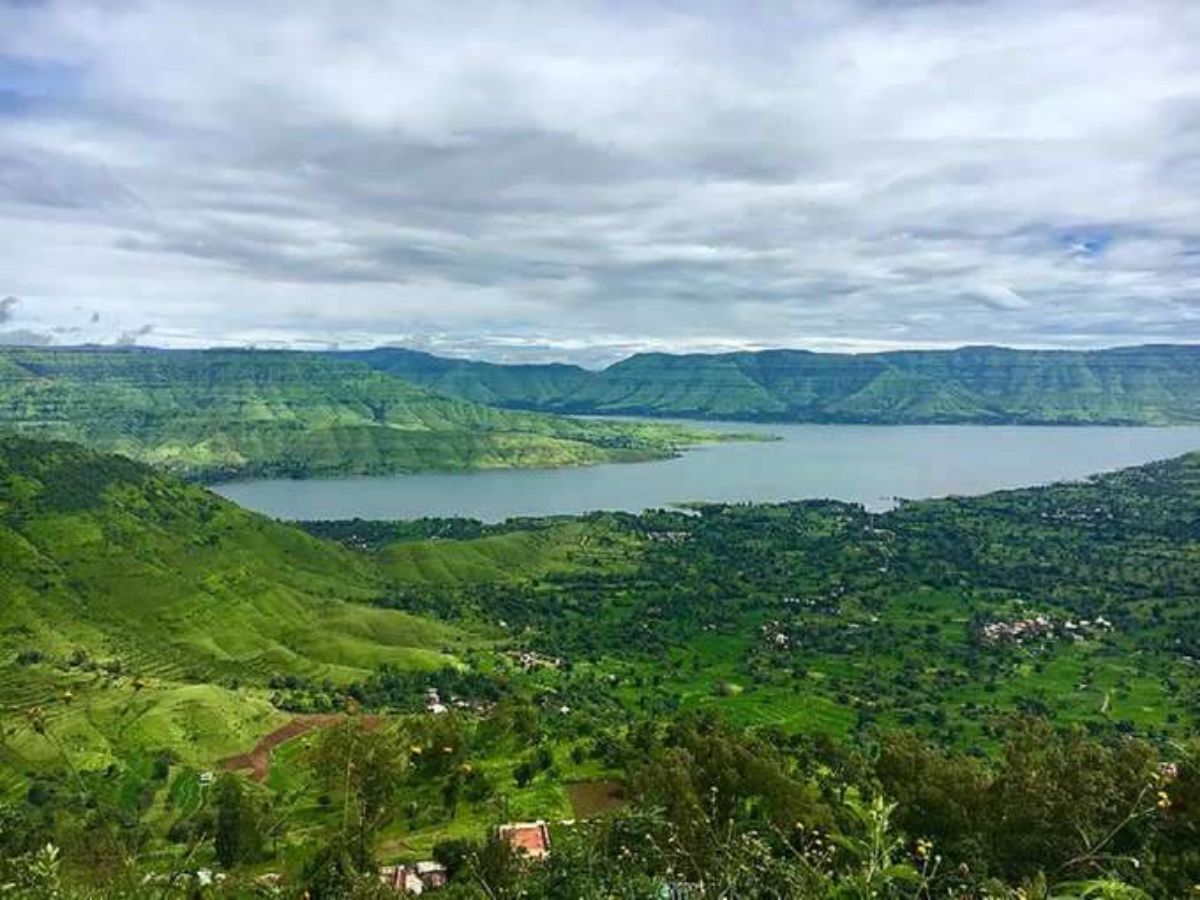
[(530, 840), (1019, 631)]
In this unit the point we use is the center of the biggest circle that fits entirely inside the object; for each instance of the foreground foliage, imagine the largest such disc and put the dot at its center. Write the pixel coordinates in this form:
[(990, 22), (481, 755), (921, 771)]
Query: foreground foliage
[(711, 813)]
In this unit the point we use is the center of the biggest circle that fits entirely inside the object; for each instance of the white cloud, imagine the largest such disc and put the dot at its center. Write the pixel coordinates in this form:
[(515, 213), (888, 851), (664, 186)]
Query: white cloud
[(580, 178), (997, 296)]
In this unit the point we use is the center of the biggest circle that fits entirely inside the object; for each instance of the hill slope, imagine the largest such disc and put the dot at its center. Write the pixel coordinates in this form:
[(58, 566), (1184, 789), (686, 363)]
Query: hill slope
[(1129, 385), (149, 600), (212, 414), (515, 386)]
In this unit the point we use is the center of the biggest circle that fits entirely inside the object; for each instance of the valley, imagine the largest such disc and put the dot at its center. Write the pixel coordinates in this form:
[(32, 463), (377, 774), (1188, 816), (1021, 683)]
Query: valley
[(511, 671)]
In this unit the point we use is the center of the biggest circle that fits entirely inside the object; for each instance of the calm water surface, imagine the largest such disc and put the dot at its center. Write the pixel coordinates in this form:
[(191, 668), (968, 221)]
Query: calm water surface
[(862, 463)]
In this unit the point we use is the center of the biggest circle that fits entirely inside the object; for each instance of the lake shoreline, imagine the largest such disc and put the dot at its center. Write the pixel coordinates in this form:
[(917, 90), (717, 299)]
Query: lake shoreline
[(874, 465)]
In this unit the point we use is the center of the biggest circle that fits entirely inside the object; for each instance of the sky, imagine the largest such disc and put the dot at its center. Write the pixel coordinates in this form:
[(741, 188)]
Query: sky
[(579, 181)]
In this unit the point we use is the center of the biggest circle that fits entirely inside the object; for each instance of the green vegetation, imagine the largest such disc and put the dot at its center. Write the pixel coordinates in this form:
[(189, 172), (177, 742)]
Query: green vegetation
[(139, 612), (820, 615), (221, 414), (517, 386), (1150, 385), (986, 697)]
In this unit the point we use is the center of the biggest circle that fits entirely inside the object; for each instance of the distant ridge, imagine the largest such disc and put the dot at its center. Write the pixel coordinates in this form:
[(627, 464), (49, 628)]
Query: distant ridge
[(213, 414), (1143, 385)]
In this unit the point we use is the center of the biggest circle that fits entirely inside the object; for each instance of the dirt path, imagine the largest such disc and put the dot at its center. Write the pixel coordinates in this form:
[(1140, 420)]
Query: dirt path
[(258, 760)]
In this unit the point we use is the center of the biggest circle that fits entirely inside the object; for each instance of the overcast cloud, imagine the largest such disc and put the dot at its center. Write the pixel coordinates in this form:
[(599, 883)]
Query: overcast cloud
[(580, 180)]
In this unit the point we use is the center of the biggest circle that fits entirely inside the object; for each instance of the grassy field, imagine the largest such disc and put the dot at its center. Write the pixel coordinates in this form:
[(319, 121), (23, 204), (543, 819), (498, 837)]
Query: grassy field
[(555, 548), (140, 613)]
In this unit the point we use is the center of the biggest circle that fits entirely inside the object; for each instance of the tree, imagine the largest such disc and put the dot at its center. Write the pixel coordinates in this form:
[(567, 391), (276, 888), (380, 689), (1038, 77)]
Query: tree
[(363, 766), (238, 835)]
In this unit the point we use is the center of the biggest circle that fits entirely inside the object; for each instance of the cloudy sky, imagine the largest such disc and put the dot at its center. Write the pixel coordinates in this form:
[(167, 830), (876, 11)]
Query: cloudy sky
[(579, 180)]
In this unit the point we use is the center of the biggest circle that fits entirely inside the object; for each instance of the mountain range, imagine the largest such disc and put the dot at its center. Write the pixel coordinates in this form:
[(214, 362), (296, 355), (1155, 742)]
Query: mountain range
[(1146, 385), (217, 414), (213, 414)]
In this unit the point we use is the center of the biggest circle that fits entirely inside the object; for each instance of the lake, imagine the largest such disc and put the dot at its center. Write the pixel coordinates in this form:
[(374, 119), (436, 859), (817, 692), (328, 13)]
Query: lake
[(868, 464)]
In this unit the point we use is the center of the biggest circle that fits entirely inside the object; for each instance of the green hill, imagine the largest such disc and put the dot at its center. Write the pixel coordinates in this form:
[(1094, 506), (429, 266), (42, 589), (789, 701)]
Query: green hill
[(516, 386), (1150, 385), (214, 414), (150, 604)]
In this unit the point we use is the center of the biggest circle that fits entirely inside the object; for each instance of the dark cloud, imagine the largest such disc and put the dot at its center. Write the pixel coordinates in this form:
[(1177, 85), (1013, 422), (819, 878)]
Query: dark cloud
[(22, 337), (131, 337)]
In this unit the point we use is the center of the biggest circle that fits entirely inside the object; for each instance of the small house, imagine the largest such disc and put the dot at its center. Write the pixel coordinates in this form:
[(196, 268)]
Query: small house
[(432, 874), (416, 878), (530, 839)]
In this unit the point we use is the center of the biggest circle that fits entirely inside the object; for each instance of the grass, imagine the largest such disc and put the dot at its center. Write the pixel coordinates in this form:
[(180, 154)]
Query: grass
[(170, 641), (200, 723), (572, 546)]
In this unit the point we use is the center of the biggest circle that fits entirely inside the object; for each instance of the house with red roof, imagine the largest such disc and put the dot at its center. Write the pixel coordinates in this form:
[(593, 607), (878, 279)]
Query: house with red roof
[(530, 839)]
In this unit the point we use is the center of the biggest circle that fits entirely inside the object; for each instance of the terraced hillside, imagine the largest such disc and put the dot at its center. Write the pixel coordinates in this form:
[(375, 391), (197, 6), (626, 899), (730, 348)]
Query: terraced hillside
[(138, 609), (1150, 385), (219, 414)]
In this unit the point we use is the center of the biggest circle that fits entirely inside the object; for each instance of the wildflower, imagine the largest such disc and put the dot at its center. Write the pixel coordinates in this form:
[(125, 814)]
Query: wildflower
[(1163, 800), (924, 848)]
